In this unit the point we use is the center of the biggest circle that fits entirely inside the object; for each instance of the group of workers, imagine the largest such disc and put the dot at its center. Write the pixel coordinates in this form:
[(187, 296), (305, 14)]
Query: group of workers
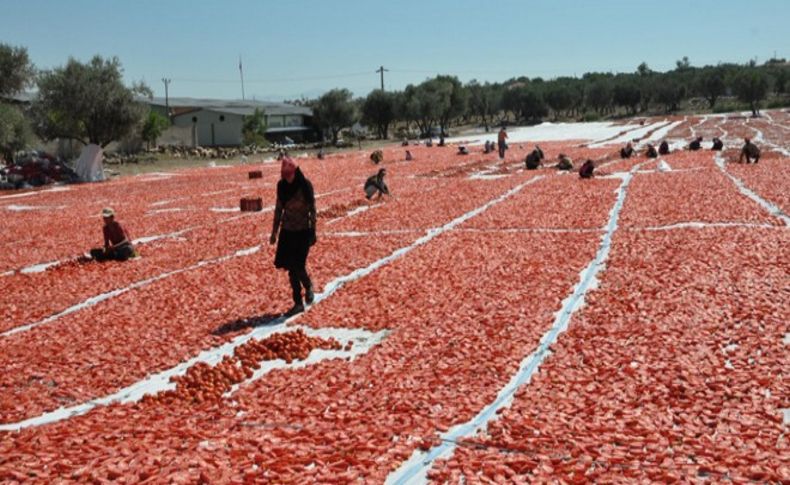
[(294, 224), (749, 151)]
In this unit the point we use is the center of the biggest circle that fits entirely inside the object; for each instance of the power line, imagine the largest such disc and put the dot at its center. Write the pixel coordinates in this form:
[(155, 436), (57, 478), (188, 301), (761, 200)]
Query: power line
[(274, 80)]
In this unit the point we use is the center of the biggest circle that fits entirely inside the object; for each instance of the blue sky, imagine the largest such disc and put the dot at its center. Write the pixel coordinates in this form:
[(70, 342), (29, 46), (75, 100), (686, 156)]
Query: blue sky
[(304, 47)]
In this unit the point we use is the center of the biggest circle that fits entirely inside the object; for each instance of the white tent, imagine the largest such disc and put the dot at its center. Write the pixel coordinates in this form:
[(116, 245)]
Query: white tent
[(89, 166)]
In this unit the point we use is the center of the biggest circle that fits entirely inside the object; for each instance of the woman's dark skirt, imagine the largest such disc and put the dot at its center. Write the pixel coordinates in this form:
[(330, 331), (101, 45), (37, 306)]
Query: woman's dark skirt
[(292, 249)]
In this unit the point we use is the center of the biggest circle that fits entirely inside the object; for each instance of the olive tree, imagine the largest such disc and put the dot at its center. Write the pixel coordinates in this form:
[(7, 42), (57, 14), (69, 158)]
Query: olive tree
[(334, 111), (87, 102)]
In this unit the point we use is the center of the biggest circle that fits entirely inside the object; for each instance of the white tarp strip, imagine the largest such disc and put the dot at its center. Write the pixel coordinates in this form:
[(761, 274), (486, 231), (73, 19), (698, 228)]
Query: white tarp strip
[(415, 469)]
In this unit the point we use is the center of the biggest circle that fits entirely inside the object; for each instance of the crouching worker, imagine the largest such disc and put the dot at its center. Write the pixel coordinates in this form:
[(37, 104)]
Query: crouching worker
[(462, 150), (696, 144), (117, 243), (533, 160), (663, 148), (750, 151), (586, 170), (375, 185), (718, 145), (627, 151), (565, 162), (409, 157), (294, 220), (651, 151)]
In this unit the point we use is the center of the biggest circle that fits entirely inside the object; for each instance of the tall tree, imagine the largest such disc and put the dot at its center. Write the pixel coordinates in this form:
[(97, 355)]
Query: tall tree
[(751, 86), (559, 97), (378, 109), (334, 111), (16, 71), (599, 95), (710, 84), (454, 100), (86, 102), (670, 93), (626, 93)]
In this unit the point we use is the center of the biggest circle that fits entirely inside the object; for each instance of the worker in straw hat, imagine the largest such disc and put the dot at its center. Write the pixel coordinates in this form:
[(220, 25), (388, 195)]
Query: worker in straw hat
[(117, 243)]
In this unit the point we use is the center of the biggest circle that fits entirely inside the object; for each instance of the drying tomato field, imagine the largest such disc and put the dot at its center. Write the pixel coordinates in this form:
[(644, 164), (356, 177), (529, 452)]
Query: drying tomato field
[(484, 324)]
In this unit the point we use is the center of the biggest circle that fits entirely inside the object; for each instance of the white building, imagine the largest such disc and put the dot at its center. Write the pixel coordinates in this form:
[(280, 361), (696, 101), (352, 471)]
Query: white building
[(216, 122)]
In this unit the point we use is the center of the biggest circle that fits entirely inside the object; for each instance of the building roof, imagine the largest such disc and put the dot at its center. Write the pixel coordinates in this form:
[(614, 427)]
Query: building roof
[(239, 107)]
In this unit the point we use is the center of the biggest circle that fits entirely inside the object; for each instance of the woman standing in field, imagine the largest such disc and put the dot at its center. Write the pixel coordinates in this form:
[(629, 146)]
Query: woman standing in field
[(294, 219)]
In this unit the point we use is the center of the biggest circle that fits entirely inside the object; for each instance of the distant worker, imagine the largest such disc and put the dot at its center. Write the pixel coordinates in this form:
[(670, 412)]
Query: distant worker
[(696, 144), (462, 150), (663, 148), (565, 162), (627, 151), (718, 145), (409, 158), (586, 170), (749, 151), (375, 185), (651, 151), (533, 160), (488, 147), (117, 243), (294, 221), (404, 143), (502, 143), (321, 153)]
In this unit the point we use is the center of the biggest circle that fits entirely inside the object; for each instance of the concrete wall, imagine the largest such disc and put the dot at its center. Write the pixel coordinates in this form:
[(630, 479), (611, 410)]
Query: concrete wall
[(213, 128)]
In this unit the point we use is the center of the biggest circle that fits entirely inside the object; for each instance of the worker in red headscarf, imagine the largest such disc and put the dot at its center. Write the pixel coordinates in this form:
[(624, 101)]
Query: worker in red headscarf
[(294, 221)]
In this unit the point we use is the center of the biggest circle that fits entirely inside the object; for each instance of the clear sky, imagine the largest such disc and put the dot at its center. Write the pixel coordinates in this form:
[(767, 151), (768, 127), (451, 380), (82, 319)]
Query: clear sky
[(304, 47)]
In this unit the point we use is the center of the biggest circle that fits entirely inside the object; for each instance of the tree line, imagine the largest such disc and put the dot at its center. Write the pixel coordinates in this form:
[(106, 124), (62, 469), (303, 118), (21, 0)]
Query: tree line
[(438, 103), (89, 102)]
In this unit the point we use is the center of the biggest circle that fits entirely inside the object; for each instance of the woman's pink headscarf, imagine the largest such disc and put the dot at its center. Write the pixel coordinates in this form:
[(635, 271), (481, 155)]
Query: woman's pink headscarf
[(288, 169)]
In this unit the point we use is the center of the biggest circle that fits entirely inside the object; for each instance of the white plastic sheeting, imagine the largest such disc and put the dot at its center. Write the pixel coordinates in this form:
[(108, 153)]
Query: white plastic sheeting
[(89, 166)]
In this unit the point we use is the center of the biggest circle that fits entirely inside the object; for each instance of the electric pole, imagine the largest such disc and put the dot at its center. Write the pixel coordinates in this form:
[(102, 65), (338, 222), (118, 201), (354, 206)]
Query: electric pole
[(382, 70), (167, 97), (241, 73)]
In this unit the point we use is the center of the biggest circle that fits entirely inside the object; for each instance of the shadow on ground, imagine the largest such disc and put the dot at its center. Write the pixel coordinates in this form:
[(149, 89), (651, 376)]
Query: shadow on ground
[(245, 323)]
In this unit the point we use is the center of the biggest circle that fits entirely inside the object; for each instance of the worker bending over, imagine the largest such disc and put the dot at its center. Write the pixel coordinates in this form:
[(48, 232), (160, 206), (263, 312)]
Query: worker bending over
[(750, 152), (375, 185)]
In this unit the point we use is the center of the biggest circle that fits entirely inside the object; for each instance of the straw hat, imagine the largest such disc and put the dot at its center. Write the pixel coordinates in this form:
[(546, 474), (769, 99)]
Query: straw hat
[(107, 212)]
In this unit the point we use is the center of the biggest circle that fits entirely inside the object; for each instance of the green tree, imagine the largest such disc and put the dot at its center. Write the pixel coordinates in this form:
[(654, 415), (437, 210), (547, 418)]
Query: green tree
[(253, 128), (532, 107), (86, 102), (16, 71), (379, 109), (599, 95), (751, 86), (626, 93), (334, 111), (450, 96), (153, 126), (710, 84), (670, 93), (15, 131), (559, 97)]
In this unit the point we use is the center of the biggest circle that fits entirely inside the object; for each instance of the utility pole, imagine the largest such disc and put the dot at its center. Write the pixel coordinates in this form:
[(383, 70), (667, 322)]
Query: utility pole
[(241, 73), (382, 70), (167, 97)]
